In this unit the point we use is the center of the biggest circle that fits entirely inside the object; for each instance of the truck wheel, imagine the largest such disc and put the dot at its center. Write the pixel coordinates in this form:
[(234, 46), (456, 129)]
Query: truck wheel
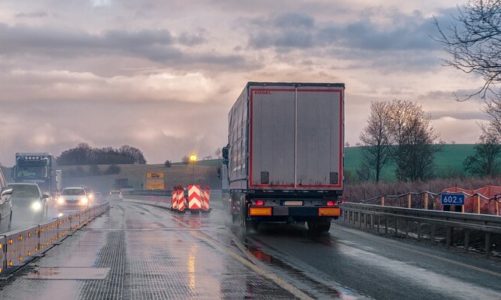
[(250, 225), (325, 227)]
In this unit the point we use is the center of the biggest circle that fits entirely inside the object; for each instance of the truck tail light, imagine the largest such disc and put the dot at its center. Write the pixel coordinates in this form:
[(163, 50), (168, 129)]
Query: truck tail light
[(329, 212), (260, 211), (259, 202), (331, 203)]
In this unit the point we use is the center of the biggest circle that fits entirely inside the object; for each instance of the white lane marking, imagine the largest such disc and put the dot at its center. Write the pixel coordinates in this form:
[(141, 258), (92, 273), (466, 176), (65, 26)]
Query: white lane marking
[(441, 284), (346, 295), (424, 253), (264, 273)]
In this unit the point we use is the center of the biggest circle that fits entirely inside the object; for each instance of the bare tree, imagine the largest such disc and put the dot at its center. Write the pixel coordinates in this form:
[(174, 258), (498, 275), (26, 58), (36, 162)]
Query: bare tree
[(485, 161), (474, 42), (413, 137), (494, 110), (375, 138)]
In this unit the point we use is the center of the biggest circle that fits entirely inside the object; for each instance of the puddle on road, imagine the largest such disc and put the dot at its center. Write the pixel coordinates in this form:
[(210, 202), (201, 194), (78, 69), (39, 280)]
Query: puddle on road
[(68, 273), (314, 287)]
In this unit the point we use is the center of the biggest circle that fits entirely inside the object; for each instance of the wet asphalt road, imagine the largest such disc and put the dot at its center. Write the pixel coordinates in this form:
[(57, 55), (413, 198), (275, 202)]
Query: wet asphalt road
[(148, 252)]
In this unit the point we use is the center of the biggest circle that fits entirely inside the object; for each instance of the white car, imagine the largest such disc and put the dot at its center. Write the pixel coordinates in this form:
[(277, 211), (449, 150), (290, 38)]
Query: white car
[(73, 198), (28, 202)]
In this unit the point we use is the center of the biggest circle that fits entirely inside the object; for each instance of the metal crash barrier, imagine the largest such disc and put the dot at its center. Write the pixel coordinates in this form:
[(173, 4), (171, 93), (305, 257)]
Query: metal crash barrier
[(20, 247), (467, 230)]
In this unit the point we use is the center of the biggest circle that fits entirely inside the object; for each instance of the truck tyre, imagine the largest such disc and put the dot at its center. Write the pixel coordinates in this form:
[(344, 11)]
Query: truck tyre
[(234, 218), (325, 226)]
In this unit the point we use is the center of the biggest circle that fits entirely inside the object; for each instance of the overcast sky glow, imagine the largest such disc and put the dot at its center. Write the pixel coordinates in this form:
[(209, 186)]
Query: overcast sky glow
[(162, 75)]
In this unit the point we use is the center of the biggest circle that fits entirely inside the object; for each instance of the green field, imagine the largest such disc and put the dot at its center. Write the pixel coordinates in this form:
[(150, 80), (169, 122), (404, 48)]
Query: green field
[(448, 161)]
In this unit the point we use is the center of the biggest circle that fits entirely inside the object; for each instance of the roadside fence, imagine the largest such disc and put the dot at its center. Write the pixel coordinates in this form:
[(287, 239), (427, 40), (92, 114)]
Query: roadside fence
[(472, 232), (18, 248)]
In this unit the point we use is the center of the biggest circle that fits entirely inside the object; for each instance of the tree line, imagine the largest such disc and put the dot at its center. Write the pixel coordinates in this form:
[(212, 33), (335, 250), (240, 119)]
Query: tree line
[(83, 154)]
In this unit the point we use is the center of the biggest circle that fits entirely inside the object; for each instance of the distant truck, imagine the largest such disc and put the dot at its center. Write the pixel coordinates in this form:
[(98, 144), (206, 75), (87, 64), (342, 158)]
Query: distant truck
[(37, 168), (285, 154)]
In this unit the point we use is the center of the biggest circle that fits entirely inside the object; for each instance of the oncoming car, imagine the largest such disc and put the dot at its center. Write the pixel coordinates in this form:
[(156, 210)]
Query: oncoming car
[(28, 201), (73, 197), (116, 195)]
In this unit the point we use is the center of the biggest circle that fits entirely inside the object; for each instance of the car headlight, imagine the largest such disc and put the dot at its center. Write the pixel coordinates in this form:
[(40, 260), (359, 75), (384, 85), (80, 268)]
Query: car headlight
[(84, 201), (60, 200), (36, 206)]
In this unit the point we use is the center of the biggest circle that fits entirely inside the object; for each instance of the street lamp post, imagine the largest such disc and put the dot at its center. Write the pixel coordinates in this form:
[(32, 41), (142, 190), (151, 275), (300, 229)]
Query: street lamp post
[(193, 161)]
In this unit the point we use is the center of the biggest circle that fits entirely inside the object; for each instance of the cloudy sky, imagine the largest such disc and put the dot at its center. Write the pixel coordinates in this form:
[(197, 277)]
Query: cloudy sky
[(162, 75)]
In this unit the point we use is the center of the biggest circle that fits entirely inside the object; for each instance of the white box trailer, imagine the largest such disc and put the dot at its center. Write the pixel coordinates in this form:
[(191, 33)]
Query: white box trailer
[(285, 149)]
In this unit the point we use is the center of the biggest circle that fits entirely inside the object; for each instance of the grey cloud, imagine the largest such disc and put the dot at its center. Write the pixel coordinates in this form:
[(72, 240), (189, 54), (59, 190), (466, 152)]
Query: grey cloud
[(15, 39), (34, 14), (292, 30), (296, 20), (155, 45), (301, 31), (192, 39)]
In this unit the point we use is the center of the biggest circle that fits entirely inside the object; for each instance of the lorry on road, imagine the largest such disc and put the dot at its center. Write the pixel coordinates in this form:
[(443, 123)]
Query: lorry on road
[(37, 168), (285, 154)]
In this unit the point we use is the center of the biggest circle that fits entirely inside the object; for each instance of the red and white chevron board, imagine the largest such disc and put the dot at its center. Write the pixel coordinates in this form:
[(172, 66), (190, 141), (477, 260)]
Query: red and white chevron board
[(206, 199), (194, 197), (173, 203), (181, 201)]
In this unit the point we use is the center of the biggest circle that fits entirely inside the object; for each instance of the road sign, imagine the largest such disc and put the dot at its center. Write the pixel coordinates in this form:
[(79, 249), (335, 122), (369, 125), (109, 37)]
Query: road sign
[(155, 175), (452, 199), (155, 185)]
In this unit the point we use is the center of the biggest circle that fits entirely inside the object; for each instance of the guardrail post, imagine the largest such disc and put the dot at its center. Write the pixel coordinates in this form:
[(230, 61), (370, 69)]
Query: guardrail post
[(487, 243), (478, 204), (382, 200), (386, 224), (425, 200), (466, 239), (409, 200), (497, 208), (39, 235), (433, 230), (396, 226), (448, 237), (418, 231)]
